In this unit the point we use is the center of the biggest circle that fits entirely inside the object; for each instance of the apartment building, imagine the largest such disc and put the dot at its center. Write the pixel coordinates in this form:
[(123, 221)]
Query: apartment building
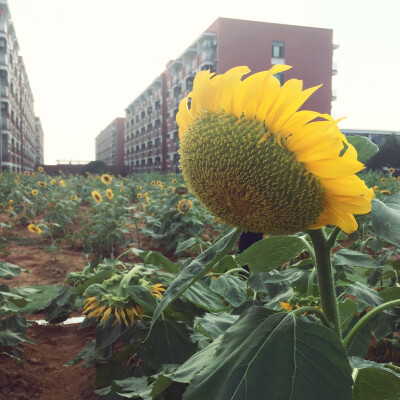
[(151, 139), (17, 105), (39, 140), (110, 143), (376, 136)]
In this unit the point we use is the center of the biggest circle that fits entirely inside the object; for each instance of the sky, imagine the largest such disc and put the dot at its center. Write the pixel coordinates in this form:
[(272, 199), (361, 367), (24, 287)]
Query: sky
[(87, 60)]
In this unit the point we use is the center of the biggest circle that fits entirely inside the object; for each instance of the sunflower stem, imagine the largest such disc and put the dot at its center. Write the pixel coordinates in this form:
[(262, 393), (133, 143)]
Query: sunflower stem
[(325, 278)]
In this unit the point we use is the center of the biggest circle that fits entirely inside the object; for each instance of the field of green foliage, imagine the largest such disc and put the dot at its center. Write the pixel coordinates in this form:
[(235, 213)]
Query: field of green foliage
[(190, 321)]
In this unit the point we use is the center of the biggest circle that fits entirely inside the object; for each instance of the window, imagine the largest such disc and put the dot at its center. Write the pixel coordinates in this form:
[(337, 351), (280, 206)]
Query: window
[(278, 49)]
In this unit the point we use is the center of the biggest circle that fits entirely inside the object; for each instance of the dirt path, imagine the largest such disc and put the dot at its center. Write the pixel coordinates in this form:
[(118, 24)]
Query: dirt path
[(43, 376)]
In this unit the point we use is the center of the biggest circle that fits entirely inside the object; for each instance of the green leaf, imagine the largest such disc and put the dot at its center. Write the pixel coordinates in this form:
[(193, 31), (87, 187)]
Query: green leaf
[(157, 259), (390, 293), (261, 281), (365, 148), (196, 269), (9, 271), (354, 258), (268, 254), (228, 262), (347, 310), (245, 365), (376, 384), (169, 342), (231, 288), (201, 296), (98, 277), (187, 244), (214, 325), (365, 297), (386, 220)]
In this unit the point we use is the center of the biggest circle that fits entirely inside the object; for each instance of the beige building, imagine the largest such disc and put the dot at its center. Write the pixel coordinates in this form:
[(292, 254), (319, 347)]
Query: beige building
[(17, 104)]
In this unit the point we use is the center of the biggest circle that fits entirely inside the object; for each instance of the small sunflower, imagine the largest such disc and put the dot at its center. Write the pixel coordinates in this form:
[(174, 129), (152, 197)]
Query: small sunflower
[(386, 192), (53, 182), (259, 164), (97, 196), (34, 229), (105, 178), (153, 183), (34, 192), (102, 310), (383, 179), (40, 169), (109, 194), (75, 197), (140, 187), (42, 184), (173, 181), (62, 183), (122, 190), (139, 195), (11, 202), (184, 206), (391, 170), (26, 173), (375, 188), (157, 289)]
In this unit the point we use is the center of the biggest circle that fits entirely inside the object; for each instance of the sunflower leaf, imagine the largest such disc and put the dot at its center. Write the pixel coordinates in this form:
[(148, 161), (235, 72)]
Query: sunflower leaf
[(365, 148), (244, 365)]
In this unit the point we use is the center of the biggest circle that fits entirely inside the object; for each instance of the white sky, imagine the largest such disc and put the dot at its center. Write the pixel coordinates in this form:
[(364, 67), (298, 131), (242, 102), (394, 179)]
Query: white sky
[(88, 59)]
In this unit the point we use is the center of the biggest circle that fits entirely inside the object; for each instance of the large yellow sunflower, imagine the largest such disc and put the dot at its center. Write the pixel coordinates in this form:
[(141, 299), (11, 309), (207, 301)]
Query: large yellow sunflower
[(259, 164)]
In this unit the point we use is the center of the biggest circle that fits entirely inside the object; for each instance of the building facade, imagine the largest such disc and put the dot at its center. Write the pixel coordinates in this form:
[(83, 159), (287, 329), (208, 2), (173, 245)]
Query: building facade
[(17, 105), (152, 141), (39, 141), (375, 136), (110, 143)]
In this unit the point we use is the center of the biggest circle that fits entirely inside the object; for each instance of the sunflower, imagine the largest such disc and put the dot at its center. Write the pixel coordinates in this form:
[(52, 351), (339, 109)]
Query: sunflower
[(383, 179), (42, 184), (391, 170), (103, 309), (375, 188), (184, 206), (386, 192), (62, 183), (153, 183), (109, 194), (259, 164), (26, 173), (53, 182), (74, 197), (105, 178), (34, 192), (139, 195), (40, 169), (173, 181), (11, 202), (34, 229), (139, 187), (97, 196), (157, 289)]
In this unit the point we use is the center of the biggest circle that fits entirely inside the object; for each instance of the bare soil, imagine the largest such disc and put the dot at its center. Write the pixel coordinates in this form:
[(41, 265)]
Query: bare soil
[(42, 375)]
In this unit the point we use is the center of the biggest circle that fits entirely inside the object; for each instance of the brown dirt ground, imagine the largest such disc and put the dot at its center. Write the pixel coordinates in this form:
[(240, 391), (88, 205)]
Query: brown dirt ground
[(42, 375)]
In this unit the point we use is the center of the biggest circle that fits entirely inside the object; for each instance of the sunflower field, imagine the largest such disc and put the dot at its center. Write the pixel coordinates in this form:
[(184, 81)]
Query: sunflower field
[(177, 306)]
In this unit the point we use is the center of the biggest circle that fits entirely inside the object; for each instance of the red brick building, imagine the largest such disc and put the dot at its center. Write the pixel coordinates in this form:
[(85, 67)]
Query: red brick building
[(151, 139), (110, 143)]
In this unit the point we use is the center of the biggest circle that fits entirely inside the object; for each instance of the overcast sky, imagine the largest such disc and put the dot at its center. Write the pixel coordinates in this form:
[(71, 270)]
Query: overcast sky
[(88, 59)]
